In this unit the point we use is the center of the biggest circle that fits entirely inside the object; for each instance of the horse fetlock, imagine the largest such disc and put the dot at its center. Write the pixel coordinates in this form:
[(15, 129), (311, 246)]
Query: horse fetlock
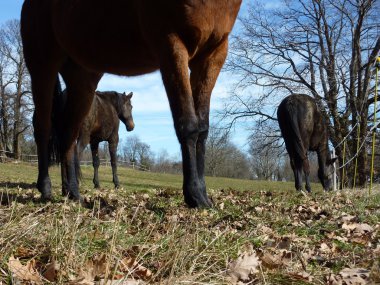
[(116, 183)]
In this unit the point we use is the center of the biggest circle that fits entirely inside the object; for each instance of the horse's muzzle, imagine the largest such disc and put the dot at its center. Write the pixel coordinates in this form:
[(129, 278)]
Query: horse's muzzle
[(130, 126)]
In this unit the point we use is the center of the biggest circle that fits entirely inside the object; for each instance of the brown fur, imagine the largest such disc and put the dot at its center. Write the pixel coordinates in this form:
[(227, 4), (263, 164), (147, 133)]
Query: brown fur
[(84, 39)]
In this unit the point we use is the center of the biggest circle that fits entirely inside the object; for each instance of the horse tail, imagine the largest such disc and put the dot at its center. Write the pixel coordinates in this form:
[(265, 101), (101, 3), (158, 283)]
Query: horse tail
[(297, 138), (59, 100), (288, 121)]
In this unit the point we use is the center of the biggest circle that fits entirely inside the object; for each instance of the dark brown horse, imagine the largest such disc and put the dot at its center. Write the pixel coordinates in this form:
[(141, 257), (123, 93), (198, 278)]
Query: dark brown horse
[(102, 124), (81, 40), (304, 129)]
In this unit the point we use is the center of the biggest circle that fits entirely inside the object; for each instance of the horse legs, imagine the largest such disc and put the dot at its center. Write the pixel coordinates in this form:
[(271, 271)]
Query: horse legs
[(95, 163), (204, 72), (112, 146), (306, 170), (80, 85), (297, 170), (174, 70), (42, 89)]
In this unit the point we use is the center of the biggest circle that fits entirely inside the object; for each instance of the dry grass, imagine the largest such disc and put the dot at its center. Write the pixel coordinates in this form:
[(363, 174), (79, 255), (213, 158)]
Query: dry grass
[(150, 223)]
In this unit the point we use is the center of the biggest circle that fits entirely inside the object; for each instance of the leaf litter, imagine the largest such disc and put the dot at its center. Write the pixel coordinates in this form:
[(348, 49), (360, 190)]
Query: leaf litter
[(251, 237)]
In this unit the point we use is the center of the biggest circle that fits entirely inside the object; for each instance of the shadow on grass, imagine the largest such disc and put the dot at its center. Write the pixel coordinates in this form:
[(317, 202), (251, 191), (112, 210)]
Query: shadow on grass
[(6, 198), (22, 185)]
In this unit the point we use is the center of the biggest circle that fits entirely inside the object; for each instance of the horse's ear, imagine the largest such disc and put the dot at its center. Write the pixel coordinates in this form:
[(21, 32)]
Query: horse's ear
[(332, 160), (129, 95)]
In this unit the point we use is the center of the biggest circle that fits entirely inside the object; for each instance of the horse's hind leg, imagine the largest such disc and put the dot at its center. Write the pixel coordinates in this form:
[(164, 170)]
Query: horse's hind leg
[(204, 72), (95, 163), (112, 146), (80, 85), (306, 170), (174, 69), (297, 170)]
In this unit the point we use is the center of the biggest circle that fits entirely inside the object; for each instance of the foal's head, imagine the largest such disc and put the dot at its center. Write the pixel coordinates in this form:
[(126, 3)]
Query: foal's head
[(125, 114)]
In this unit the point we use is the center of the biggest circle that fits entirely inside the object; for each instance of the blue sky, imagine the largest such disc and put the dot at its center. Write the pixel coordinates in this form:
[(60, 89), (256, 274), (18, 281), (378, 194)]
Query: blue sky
[(153, 121)]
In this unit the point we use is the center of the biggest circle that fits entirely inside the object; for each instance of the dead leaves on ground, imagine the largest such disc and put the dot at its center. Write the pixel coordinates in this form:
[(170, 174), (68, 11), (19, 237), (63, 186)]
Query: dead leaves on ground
[(96, 271), (312, 240)]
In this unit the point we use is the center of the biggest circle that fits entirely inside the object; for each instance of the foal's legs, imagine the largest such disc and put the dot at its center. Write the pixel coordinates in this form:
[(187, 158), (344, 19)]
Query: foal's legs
[(204, 72), (80, 85), (95, 163), (174, 69), (112, 147)]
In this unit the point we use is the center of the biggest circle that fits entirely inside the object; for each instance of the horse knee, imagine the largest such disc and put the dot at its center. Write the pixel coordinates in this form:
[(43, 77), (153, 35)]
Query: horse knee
[(187, 129)]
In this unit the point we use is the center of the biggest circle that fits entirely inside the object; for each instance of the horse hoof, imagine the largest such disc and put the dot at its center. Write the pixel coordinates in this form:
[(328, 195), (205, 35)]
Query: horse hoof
[(198, 202), (96, 186), (45, 189), (46, 197), (75, 198)]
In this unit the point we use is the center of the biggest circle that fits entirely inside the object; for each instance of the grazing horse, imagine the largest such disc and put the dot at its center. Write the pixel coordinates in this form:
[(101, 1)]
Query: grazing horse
[(102, 124), (304, 129), (187, 40)]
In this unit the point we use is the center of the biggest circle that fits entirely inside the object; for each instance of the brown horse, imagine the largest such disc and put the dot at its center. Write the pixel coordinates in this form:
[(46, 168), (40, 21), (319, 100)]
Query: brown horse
[(102, 124), (304, 129), (81, 40)]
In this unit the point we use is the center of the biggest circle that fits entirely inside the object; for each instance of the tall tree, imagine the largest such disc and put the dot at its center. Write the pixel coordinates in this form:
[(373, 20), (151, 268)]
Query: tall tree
[(324, 48), (15, 86)]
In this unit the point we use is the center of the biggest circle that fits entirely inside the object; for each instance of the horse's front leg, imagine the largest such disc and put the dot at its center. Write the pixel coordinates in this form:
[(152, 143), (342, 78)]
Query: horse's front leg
[(42, 90), (80, 85), (174, 69), (204, 72), (112, 147)]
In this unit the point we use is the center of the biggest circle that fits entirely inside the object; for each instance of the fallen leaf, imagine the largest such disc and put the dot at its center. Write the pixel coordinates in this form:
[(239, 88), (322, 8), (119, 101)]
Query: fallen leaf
[(243, 267), (94, 268), (51, 270), (301, 276), (350, 276), (131, 266), (357, 228), (325, 248), (24, 272), (271, 261)]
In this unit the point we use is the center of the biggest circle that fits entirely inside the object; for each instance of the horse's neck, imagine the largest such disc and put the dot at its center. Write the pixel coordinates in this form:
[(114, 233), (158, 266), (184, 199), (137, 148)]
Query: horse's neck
[(322, 155), (111, 98)]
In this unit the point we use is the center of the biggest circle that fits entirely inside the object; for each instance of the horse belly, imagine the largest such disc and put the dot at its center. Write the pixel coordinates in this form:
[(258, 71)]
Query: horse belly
[(103, 36)]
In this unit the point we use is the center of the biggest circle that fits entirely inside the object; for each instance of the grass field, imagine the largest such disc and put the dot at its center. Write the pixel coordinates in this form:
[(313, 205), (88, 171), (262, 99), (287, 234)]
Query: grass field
[(258, 232)]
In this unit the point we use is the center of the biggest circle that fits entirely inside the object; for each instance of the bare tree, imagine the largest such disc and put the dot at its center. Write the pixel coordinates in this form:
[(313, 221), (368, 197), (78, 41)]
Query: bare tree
[(324, 48), (15, 87), (138, 152), (223, 158), (216, 145), (266, 154)]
